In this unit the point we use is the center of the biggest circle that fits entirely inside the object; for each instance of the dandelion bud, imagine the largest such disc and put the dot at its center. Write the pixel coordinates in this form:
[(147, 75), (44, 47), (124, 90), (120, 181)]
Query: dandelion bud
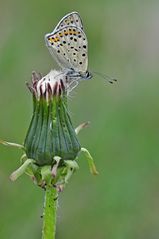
[(51, 132)]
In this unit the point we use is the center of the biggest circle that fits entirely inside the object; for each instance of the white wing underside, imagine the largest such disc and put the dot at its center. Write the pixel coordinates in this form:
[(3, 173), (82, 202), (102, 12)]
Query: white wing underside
[(71, 19), (68, 43), (71, 50)]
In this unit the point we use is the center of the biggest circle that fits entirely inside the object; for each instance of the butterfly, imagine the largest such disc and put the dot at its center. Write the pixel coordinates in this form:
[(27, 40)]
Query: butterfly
[(68, 45)]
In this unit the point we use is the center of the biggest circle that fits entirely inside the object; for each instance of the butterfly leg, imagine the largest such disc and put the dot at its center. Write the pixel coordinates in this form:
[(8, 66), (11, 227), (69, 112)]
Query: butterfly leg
[(72, 85)]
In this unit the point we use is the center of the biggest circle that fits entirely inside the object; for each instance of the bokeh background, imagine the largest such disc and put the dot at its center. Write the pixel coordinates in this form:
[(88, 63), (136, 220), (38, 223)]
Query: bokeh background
[(123, 137)]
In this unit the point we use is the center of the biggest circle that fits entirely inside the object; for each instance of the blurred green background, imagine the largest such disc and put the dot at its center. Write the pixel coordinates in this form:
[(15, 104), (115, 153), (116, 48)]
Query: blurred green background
[(122, 202)]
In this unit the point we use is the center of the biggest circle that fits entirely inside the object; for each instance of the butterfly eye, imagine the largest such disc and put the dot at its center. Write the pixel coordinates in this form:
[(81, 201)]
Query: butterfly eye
[(88, 75)]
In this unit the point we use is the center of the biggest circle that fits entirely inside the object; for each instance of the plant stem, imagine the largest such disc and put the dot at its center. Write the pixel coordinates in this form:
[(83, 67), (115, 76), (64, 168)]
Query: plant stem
[(49, 213)]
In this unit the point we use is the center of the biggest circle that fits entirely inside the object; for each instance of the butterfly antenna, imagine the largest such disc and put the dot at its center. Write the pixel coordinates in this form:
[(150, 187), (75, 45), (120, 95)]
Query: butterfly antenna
[(106, 77)]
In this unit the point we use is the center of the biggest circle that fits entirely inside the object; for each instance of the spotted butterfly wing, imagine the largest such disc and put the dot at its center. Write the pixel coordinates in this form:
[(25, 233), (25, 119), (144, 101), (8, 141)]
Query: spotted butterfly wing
[(68, 46), (71, 19)]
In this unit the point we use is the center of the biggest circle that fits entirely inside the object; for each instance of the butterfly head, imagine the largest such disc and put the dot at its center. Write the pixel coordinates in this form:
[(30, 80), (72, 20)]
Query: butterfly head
[(87, 75)]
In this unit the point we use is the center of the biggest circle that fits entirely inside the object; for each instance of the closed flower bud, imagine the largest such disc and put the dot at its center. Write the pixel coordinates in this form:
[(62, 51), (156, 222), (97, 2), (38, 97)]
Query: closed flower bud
[(51, 132), (51, 146)]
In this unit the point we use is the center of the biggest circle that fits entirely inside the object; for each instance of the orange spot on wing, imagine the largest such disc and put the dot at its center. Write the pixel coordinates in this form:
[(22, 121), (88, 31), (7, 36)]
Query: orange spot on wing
[(70, 32), (50, 40), (55, 39)]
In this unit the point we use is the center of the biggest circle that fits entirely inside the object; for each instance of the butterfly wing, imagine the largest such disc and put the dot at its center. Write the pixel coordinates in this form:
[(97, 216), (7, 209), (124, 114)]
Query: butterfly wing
[(68, 46), (71, 19)]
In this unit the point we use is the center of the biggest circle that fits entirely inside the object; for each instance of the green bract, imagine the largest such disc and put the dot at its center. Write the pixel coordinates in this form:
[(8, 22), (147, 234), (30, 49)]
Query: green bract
[(51, 132)]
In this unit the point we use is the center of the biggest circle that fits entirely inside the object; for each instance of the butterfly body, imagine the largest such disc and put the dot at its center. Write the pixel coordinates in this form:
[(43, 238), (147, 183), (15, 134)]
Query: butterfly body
[(69, 47)]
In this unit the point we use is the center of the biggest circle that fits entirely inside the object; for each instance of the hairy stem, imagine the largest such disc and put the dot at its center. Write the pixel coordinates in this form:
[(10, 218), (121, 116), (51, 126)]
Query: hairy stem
[(49, 213)]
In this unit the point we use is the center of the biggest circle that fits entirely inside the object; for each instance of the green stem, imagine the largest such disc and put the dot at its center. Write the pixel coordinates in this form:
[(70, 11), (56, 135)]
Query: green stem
[(49, 213)]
